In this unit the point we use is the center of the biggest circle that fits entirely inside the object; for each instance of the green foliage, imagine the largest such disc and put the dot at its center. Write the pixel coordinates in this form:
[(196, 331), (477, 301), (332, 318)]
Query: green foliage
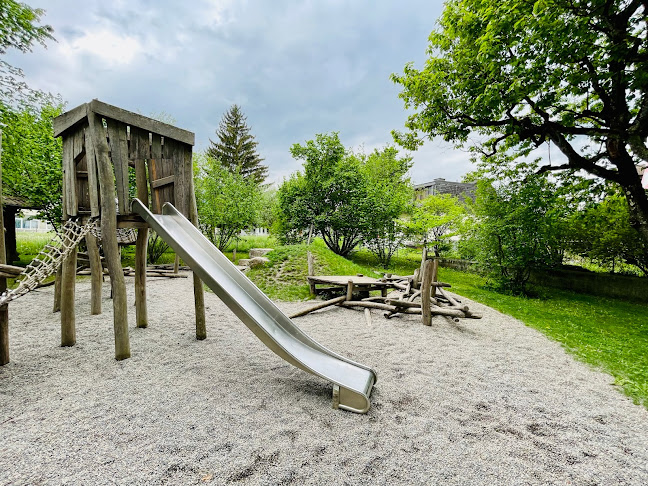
[(227, 202), (236, 148), (436, 219), (344, 197), (389, 195), (506, 76), (156, 248), (31, 156), (519, 225), (284, 278), (603, 234), (19, 29)]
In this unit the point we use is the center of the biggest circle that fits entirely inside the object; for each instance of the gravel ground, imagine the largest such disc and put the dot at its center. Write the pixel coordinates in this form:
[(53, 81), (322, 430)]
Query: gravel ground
[(481, 402)]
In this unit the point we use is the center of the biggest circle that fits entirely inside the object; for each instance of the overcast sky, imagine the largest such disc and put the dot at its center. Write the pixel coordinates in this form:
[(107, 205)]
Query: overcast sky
[(296, 68)]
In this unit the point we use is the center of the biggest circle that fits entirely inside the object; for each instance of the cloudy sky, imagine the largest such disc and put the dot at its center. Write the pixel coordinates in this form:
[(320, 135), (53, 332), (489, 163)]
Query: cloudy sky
[(296, 68)]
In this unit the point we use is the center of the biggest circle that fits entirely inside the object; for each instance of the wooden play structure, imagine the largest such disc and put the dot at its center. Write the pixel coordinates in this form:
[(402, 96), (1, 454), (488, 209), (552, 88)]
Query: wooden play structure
[(420, 293), (103, 146)]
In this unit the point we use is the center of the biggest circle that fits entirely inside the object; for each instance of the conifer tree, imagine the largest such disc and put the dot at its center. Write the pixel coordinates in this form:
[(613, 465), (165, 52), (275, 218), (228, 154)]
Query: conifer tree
[(236, 147)]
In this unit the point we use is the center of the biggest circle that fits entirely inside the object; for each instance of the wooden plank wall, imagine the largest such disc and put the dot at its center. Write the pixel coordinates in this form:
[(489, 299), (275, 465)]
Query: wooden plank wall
[(161, 165)]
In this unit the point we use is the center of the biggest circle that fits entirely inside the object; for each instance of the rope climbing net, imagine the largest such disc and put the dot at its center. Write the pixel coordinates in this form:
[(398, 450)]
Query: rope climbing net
[(50, 258)]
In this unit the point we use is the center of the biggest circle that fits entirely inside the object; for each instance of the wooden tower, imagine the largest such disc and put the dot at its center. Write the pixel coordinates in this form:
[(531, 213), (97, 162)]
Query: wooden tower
[(103, 148)]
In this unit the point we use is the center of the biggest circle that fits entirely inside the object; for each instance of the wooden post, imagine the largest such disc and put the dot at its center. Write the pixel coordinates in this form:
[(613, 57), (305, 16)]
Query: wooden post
[(426, 305), (68, 285), (176, 264), (96, 272), (4, 310), (435, 271), (141, 248), (109, 236), (349, 293), (57, 291), (311, 266), (199, 296)]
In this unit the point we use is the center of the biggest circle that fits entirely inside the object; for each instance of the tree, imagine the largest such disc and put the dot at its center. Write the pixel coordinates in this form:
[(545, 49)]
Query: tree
[(19, 29), (31, 156), (227, 202), (602, 233), (328, 196), (344, 197), (389, 196), (519, 225), (435, 219), (515, 74), (236, 148)]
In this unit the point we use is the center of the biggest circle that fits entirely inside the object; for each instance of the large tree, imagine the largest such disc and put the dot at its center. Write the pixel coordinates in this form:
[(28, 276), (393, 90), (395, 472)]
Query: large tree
[(236, 147), (19, 29), (506, 76), (346, 198)]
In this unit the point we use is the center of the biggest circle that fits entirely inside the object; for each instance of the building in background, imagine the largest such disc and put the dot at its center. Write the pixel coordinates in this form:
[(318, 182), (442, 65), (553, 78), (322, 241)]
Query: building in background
[(439, 185)]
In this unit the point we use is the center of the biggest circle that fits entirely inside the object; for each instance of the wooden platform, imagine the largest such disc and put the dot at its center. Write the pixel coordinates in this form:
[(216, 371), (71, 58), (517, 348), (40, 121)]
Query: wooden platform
[(360, 282)]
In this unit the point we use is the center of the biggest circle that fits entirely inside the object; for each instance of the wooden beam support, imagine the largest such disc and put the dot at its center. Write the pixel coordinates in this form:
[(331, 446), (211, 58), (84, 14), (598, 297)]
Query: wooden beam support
[(426, 309), (109, 237), (68, 287), (146, 123), (96, 272)]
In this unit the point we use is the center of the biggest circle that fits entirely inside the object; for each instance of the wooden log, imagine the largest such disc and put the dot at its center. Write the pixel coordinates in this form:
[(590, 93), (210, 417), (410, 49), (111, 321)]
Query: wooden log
[(199, 296), (435, 270), (414, 296), (365, 304), (68, 284), (96, 271), (402, 303), (425, 292), (349, 292), (367, 313), (141, 246), (10, 270), (319, 306), (57, 291), (421, 274), (311, 266), (374, 299), (176, 264), (4, 310), (109, 237)]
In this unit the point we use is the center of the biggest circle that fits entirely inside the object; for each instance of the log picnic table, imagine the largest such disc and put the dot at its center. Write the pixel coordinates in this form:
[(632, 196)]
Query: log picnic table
[(433, 299)]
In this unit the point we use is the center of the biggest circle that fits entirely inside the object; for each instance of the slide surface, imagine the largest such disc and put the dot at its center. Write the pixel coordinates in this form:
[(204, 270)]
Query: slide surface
[(352, 382)]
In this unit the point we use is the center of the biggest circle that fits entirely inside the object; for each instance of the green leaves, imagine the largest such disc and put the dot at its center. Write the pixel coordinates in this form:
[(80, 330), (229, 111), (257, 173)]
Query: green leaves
[(345, 197), (236, 147), (31, 156), (227, 202)]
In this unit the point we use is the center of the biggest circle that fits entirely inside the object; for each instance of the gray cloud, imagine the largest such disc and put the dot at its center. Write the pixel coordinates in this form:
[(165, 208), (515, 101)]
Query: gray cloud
[(296, 68)]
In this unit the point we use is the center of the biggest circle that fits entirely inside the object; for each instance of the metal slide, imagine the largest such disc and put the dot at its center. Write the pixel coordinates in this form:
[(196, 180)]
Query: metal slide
[(352, 382)]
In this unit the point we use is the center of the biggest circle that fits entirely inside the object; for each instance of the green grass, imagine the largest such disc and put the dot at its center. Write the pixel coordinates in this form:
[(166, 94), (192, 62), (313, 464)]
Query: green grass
[(30, 244), (284, 278)]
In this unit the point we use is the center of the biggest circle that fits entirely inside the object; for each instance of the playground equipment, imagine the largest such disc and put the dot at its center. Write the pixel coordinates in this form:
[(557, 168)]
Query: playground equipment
[(101, 144)]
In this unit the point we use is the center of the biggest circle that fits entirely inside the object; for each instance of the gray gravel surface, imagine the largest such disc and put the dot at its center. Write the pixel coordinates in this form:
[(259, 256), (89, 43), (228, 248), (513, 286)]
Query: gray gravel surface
[(481, 402)]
